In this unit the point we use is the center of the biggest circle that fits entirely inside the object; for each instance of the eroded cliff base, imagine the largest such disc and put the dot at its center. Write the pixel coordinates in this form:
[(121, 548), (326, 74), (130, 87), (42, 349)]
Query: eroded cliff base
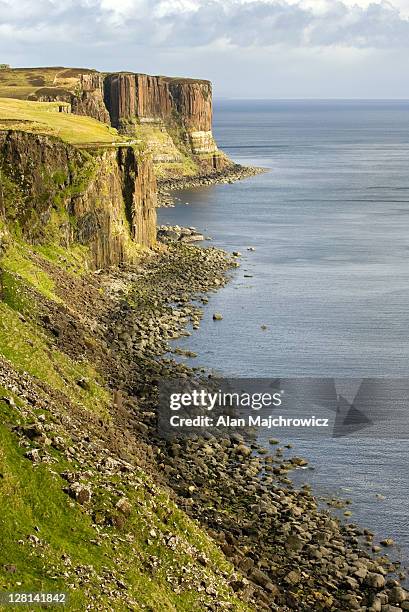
[(229, 175)]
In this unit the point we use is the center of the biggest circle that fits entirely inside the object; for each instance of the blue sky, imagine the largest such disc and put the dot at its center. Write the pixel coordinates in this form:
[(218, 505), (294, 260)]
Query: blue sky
[(248, 48)]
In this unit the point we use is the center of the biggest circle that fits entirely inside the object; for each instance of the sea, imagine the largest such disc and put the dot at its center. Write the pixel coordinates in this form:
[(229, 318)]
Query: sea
[(324, 291)]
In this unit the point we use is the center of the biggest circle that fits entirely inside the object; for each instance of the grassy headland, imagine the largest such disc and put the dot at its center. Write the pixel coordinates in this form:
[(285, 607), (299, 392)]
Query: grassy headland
[(45, 118)]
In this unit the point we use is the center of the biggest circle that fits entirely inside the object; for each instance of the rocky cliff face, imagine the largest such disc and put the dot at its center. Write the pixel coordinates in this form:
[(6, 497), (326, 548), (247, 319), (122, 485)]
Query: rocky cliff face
[(131, 97), (172, 115), (183, 105), (179, 110), (86, 99), (89, 99), (104, 198)]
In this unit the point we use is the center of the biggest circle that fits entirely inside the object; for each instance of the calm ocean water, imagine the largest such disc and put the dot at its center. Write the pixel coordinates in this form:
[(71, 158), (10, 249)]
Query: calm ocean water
[(329, 276)]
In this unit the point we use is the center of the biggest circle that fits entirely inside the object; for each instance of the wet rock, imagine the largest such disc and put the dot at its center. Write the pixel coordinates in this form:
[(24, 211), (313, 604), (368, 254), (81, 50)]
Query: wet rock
[(243, 450), (298, 461), (192, 238), (387, 542)]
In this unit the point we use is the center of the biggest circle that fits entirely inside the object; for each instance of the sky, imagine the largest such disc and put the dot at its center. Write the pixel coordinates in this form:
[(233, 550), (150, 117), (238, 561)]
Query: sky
[(248, 48)]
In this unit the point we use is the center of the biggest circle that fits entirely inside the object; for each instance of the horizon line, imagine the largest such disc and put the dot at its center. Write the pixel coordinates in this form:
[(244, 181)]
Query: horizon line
[(310, 99)]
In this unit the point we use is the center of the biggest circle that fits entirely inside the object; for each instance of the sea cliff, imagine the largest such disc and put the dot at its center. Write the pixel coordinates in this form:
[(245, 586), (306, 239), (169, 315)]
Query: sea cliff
[(99, 505), (101, 198), (173, 115)]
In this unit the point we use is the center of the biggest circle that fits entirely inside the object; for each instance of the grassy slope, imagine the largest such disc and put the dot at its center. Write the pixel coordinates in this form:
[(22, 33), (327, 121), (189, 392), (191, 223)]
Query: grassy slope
[(166, 143), (21, 82), (43, 117), (34, 503)]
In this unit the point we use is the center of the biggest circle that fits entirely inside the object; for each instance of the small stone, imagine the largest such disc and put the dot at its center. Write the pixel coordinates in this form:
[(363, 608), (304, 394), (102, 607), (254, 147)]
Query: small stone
[(299, 461), (259, 577), (84, 384), (244, 450), (217, 316), (80, 493), (9, 401), (124, 506), (387, 542), (361, 572), (376, 605), (293, 577), (397, 595), (33, 455), (375, 581)]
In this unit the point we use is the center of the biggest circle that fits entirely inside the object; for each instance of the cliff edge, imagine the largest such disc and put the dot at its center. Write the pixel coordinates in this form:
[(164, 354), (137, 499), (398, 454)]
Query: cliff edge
[(73, 192), (172, 115)]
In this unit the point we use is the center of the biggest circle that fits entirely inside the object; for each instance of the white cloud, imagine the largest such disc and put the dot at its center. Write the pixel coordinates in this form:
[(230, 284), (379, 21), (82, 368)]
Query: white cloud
[(188, 23), (320, 44)]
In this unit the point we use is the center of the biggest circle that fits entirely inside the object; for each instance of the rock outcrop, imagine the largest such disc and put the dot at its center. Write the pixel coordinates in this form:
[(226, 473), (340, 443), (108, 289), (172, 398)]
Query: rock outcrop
[(102, 198), (89, 99), (142, 98), (173, 115), (184, 106)]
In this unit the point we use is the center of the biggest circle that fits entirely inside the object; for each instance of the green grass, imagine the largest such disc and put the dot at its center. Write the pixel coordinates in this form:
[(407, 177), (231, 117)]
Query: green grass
[(44, 118), (74, 259), (28, 349), (176, 169), (21, 82), (17, 260), (37, 505)]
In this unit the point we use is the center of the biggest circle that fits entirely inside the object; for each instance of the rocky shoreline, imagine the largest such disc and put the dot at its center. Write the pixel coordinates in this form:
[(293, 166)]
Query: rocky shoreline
[(289, 554), (231, 174)]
